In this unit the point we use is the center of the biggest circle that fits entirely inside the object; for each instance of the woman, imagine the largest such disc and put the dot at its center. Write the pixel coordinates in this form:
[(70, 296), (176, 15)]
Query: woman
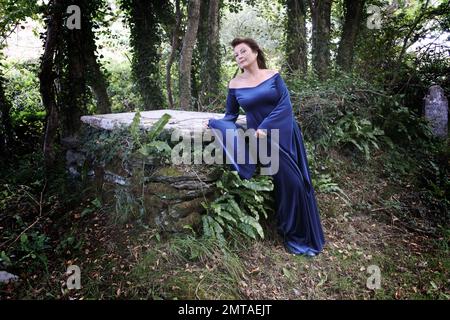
[(263, 95)]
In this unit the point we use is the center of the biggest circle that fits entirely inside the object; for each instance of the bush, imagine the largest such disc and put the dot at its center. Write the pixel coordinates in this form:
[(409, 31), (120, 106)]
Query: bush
[(319, 105), (399, 123), (27, 112), (122, 90), (358, 132)]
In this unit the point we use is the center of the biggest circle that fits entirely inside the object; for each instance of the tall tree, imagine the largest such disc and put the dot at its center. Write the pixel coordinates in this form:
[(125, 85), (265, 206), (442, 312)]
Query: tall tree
[(321, 27), (75, 65), (94, 76), (74, 93), (199, 56), (186, 54), (176, 41), (83, 68), (353, 14), (211, 66), (47, 76), (144, 18), (296, 39)]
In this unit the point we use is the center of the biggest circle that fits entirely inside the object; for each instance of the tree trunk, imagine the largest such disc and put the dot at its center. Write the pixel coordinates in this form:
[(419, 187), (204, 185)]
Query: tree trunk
[(145, 41), (211, 67), (47, 76), (296, 39), (186, 54), (98, 83), (74, 91), (352, 22), (176, 41), (199, 56), (95, 77), (321, 25)]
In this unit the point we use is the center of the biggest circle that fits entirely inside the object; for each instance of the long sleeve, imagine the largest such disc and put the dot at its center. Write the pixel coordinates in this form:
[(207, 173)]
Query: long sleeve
[(232, 107), (278, 117)]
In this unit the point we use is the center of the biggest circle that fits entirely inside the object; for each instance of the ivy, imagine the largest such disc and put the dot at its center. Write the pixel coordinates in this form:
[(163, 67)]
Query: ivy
[(148, 21)]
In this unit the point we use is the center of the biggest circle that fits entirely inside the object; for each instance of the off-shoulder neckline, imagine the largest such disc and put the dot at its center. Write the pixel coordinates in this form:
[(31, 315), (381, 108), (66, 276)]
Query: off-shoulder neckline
[(272, 76)]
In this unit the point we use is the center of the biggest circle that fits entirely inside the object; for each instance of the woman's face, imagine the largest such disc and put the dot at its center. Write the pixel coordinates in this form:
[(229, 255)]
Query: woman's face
[(244, 55)]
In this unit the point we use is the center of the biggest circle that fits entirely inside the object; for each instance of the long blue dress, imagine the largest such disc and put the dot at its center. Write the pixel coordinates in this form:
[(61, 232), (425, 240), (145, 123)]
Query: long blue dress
[(268, 106)]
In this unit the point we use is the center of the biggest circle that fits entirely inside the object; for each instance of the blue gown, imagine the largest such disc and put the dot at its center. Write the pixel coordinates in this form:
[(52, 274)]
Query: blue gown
[(268, 106)]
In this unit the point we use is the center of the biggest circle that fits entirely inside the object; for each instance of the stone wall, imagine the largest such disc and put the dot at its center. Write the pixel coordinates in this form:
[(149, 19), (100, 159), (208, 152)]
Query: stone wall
[(165, 195)]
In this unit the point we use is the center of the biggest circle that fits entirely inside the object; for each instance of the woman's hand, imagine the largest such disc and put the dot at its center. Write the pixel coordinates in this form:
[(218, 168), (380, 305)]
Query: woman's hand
[(260, 134), (206, 124)]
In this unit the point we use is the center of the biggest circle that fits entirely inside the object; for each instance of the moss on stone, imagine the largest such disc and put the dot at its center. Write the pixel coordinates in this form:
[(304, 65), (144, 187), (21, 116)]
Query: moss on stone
[(170, 172)]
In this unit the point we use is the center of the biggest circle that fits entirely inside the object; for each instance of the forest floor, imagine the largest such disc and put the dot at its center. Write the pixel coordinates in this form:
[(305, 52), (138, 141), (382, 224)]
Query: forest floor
[(373, 221)]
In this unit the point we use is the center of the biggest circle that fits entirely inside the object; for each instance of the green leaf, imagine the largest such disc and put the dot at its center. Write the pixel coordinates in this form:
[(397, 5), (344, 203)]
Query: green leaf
[(227, 216), (434, 285), (24, 238), (97, 203), (5, 259), (247, 230), (255, 186), (238, 206), (158, 127), (144, 150), (208, 231), (134, 128), (287, 273), (234, 207), (253, 223), (356, 144), (160, 146)]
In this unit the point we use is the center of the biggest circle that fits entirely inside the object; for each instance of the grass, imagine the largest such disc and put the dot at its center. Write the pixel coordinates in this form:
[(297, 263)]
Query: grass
[(200, 269)]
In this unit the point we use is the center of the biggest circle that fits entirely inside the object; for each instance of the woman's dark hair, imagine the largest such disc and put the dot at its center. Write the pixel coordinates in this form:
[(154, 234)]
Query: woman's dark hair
[(261, 60)]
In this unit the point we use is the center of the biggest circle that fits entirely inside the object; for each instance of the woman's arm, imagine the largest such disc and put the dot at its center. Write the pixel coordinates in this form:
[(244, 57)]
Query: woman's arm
[(231, 110), (232, 107)]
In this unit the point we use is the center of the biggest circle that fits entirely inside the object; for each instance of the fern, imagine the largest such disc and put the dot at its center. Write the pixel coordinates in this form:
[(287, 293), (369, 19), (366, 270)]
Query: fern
[(148, 145), (357, 132), (158, 127), (238, 207)]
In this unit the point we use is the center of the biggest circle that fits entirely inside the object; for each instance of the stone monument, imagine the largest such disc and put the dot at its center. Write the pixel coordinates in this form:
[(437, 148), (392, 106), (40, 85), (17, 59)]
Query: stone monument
[(436, 111), (171, 195)]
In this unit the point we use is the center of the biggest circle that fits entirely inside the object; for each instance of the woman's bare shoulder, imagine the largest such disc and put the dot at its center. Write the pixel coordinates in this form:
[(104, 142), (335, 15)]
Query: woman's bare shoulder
[(238, 81), (271, 72)]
